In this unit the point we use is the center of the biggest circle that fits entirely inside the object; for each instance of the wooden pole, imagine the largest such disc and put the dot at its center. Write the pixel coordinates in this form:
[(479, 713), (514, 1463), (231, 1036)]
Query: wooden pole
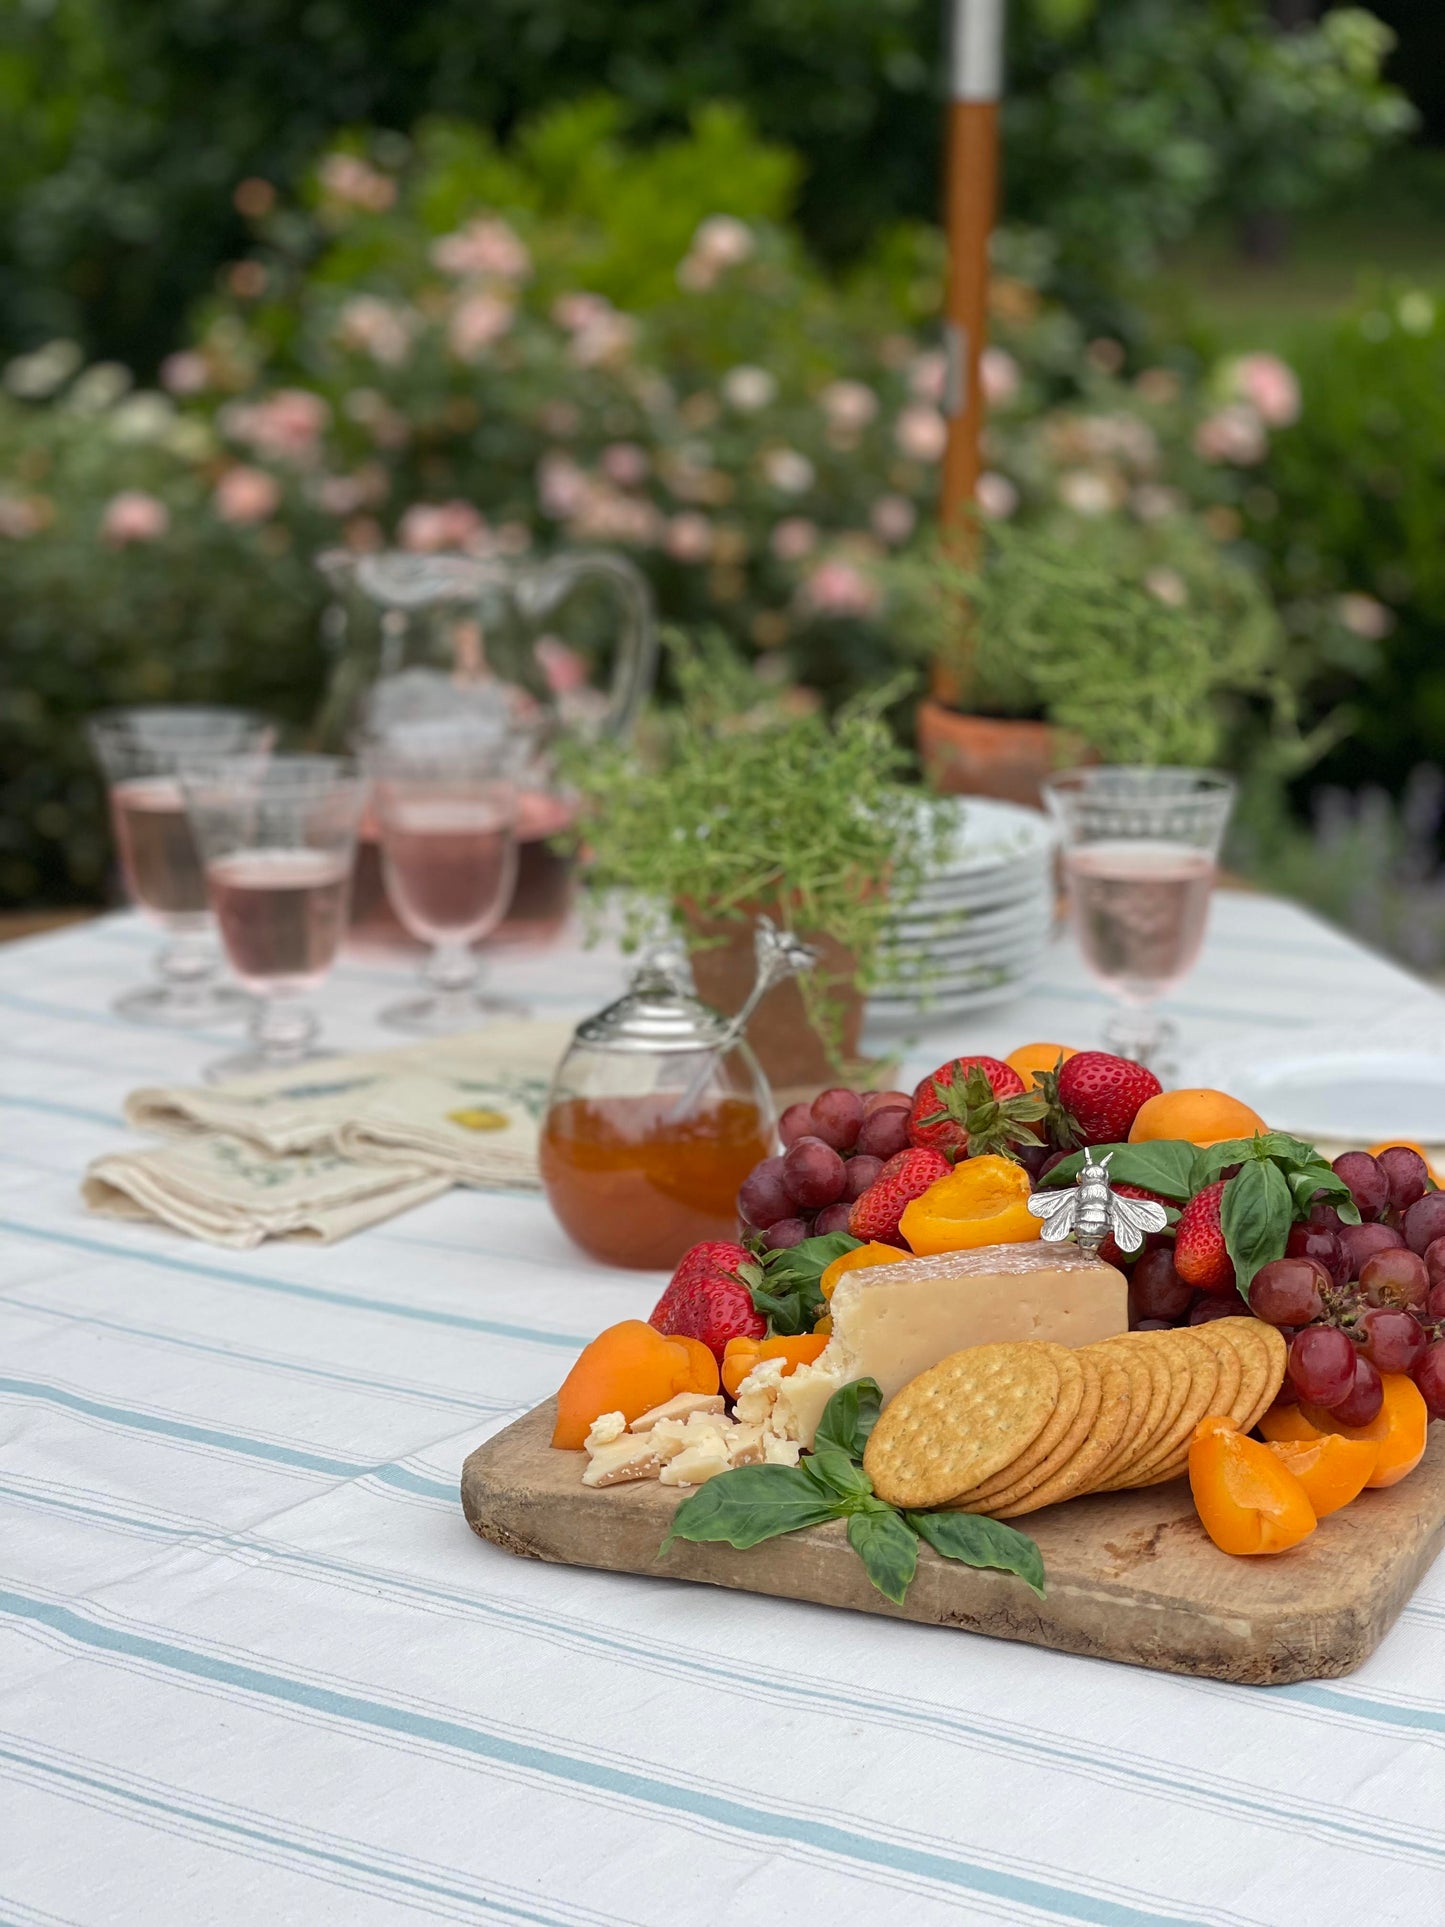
[(970, 197)]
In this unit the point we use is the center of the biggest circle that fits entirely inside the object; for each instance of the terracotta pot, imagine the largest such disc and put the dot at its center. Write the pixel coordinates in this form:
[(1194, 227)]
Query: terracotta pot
[(993, 755), (791, 1052)]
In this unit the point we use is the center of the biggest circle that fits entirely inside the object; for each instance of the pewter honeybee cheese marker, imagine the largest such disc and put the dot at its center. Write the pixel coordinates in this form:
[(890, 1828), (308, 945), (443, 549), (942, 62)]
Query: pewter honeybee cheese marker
[(1092, 1210)]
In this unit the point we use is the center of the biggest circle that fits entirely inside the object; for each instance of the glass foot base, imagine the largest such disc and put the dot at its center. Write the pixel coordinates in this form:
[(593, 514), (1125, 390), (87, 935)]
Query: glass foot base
[(172, 1009), (1151, 1041), (434, 1015), (255, 1063)]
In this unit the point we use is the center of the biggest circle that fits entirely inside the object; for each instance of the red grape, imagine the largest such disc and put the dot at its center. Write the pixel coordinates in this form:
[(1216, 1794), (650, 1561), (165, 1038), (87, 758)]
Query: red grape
[(1326, 1216), (1157, 1291), (1152, 1325), (1396, 1278), (1364, 1399), (833, 1218), (1362, 1241), (814, 1173), (763, 1197), (796, 1122), (1425, 1221), (1032, 1157), (1435, 1303), (1406, 1173), (837, 1115), (1209, 1305), (1322, 1364), (1287, 1291), (860, 1174), (1369, 1187), (1323, 1245), (1056, 1157), (786, 1233), (884, 1132), (1286, 1395), (1435, 1261), (1393, 1340), (1430, 1378), (882, 1100)]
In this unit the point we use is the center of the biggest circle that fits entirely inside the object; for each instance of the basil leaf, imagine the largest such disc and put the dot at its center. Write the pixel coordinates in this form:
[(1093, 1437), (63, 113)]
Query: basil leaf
[(789, 1296), (1310, 1178), (1165, 1165), (749, 1504), (981, 1542), (849, 1417), (888, 1549), (836, 1473), (1255, 1215)]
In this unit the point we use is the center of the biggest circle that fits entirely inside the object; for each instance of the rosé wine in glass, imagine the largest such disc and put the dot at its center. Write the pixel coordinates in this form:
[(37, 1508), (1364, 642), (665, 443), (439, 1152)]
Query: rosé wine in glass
[(281, 914), (145, 754), (449, 866), (1139, 850)]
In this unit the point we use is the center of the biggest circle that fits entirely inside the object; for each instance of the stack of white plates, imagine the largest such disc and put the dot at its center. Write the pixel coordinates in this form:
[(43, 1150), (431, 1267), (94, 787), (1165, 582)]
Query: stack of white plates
[(976, 931)]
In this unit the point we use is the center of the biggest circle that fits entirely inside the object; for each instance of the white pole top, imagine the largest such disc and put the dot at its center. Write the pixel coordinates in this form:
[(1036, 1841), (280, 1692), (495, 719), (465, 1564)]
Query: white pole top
[(976, 50)]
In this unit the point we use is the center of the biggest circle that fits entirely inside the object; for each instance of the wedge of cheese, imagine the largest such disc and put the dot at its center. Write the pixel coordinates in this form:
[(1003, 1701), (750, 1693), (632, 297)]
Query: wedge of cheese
[(891, 1322)]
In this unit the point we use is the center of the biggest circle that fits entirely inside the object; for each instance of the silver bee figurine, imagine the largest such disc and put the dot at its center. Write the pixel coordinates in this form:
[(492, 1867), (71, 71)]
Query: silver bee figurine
[(1093, 1209)]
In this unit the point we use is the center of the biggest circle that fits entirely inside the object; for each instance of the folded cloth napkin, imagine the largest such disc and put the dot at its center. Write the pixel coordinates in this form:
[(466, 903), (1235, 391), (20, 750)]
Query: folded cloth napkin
[(328, 1146)]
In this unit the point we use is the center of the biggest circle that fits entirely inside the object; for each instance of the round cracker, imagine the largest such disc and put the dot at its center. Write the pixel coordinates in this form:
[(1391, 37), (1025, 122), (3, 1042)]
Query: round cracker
[(1202, 1375), (1276, 1351), (1217, 1336), (1077, 1476), (1141, 1398), (1256, 1358), (1173, 1365), (1004, 1490), (1072, 1383), (1162, 1381), (961, 1421)]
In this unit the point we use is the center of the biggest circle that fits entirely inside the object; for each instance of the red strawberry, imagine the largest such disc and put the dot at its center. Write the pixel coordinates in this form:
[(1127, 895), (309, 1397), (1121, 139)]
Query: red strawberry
[(973, 1106), (907, 1176), (706, 1299), (1109, 1250), (1094, 1097), (1199, 1254)]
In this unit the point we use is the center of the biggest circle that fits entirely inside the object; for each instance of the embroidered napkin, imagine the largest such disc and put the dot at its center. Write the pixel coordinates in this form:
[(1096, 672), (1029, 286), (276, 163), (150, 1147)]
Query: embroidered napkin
[(329, 1146)]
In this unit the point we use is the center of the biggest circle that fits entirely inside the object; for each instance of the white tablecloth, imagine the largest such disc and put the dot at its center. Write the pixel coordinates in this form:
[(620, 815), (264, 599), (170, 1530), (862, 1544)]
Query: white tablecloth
[(255, 1669)]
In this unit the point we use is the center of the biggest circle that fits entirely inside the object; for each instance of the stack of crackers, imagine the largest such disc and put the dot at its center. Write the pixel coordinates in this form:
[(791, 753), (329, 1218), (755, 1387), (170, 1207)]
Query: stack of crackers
[(1005, 1429)]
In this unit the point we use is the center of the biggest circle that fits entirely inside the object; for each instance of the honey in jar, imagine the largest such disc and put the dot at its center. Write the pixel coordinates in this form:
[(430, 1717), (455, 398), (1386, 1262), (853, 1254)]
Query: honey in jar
[(651, 1126)]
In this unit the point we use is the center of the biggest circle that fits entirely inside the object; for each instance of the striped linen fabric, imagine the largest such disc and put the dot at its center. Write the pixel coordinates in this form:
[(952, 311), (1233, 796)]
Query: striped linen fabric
[(254, 1667)]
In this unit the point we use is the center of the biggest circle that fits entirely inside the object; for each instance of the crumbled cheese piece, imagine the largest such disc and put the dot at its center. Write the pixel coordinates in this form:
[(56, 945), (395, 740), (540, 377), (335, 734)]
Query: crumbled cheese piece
[(671, 1431), (681, 1406), (778, 1451), (745, 1445), (758, 1393), (698, 1463), (610, 1426), (621, 1461)]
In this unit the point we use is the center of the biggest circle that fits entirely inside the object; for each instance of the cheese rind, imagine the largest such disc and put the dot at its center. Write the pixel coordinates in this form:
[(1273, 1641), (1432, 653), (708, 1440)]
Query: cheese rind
[(891, 1322)]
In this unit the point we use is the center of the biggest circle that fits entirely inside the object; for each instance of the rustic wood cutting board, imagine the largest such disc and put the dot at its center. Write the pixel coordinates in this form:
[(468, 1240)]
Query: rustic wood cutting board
[(1130, 1575)]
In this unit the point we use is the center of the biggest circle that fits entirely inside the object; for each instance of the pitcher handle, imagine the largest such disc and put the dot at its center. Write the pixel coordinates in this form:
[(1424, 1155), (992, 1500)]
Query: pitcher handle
[(635, 663)]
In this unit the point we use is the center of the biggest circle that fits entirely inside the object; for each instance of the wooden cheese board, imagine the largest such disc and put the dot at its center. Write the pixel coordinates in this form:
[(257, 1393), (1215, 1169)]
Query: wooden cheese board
[(1130, 1576)]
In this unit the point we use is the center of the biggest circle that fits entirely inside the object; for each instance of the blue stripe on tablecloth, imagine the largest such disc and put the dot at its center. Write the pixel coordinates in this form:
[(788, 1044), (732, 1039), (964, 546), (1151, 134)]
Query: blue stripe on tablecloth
[(391, 1388), (107, 1019), (52, 1109), (268, 1836), (234, 1442), (1333, 1699), (736, 1815), (352, 1301)]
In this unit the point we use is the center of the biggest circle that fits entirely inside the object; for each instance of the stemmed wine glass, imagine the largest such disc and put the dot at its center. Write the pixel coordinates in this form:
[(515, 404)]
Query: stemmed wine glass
[(444, 798), (1139, 851), (143, 754), (277, 840)]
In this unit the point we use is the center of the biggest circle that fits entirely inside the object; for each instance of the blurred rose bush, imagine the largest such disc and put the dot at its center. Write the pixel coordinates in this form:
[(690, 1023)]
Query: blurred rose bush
[(452, 347)]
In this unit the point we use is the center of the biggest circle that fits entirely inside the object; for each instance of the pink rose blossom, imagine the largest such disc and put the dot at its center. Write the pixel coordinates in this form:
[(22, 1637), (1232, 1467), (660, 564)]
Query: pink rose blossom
[(793, 538), (381, 329), (485, 249), (625, 463), (997, 497), (749, 389), (1154, 502), (893, 518), (929, 373), (576, 311), (849, 405), (603, 340), (559, 418), (1269, 385), (562, 667), (1234, 434), (134, 516), (356, 183), (688, 537), (1087, 492), (19, 518), (921, 432), (998, 375), (606, 516), (478, 321), (839, 588), (788, 471), (1365, 616), (1167, 586), (185, 372), (245, 495), (285, 426), (429, 527), (561, 485)]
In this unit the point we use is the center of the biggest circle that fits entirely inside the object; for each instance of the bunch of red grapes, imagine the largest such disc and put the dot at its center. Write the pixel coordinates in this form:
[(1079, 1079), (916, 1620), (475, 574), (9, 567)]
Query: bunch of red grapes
[(833, 1149), (1354, 1300)]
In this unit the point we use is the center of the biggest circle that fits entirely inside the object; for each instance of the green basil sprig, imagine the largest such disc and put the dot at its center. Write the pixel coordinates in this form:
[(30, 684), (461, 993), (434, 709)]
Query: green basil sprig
[(1278, 1179), (755, 1502), (785, 1285)]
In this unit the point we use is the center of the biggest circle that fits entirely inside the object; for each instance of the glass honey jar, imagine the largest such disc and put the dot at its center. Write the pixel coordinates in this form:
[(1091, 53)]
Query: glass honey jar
[(657, 1113)]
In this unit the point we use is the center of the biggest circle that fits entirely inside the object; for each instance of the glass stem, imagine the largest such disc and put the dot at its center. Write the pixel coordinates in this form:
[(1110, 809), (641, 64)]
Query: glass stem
[(1138, 1032), (282, 1029), (452, 971), (186, 964)]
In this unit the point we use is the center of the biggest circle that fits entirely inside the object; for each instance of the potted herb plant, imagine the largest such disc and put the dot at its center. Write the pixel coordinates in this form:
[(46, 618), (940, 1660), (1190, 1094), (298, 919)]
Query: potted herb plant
[(726, 808)]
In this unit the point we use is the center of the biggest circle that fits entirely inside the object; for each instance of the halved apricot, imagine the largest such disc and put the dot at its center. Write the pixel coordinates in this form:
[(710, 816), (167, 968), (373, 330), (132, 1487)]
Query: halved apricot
[(1332, 1469)]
